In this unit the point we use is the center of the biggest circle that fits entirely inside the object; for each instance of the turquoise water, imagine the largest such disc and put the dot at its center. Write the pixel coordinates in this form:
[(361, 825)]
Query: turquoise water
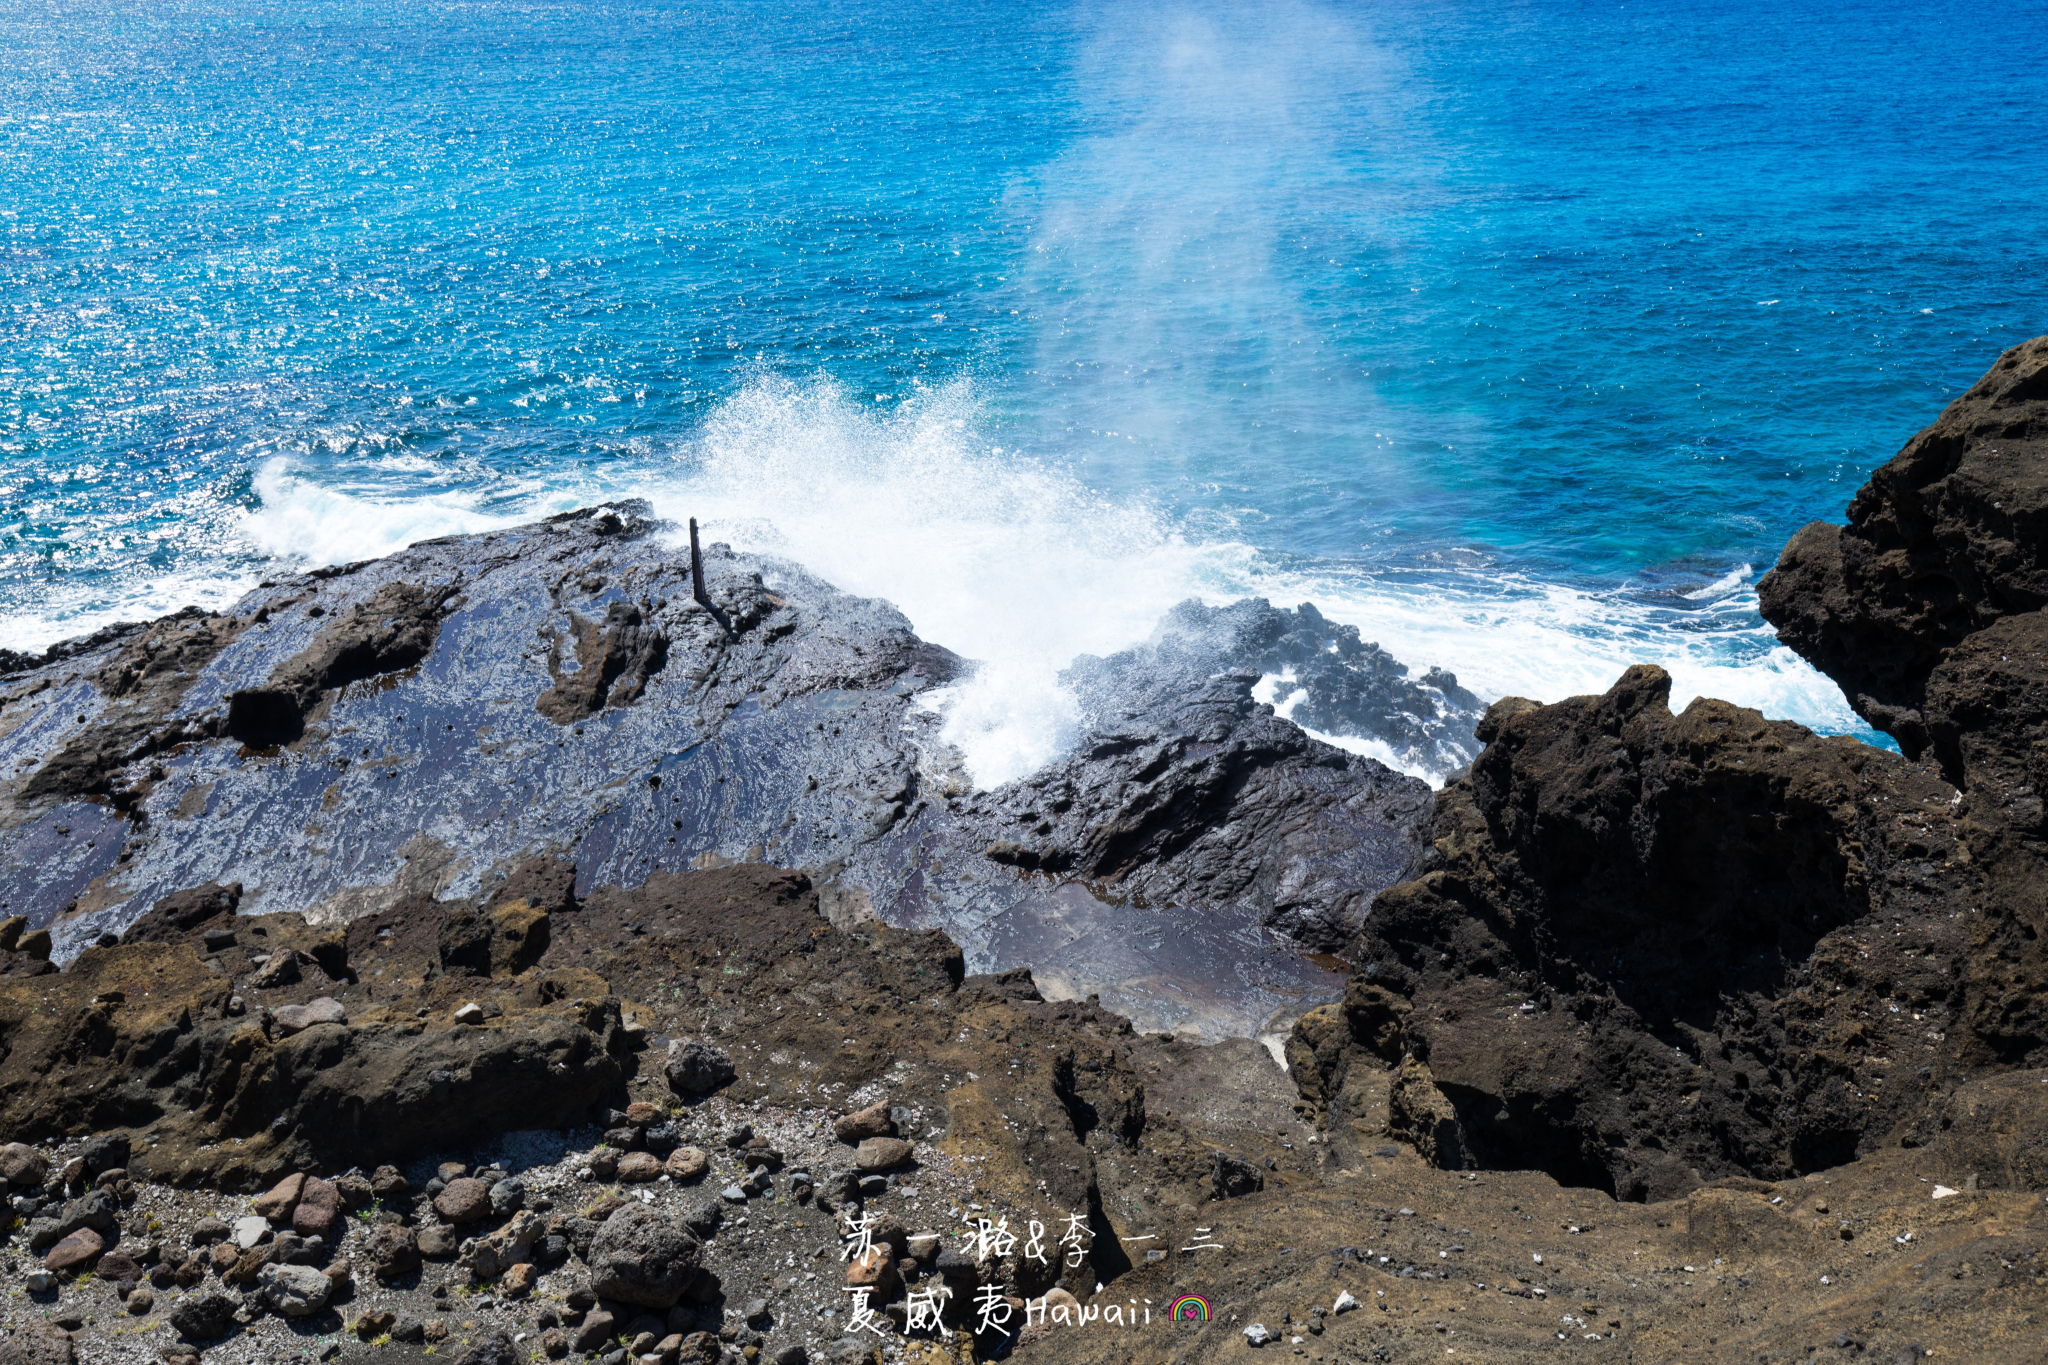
[(1519, 335)]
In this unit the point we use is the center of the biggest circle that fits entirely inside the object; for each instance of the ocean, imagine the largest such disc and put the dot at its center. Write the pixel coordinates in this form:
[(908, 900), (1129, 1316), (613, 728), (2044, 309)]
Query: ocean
[(1519, 335)]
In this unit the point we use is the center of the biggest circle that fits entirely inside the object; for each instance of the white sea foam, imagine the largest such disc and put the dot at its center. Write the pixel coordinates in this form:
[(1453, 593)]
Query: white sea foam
[(1008, 562), (1735, 580), (302, 518), (67, 614)]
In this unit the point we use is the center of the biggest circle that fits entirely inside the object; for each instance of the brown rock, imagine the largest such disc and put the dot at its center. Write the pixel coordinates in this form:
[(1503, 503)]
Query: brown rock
[(439, 1243), (140, 1300), (639, 1167), (21, 1164), (871, 1122), (118, 1267), (518, 1281), (373, 1325), (224, 1255), (700, 1348), (75, 1252), (881, 1154), (318, 1207), (394, 1252), (277, 1203), (464, 1201), (554, 1343), (873, 1269), (249, 1265), (641, 1113), (887, 1230), (686, 1163)]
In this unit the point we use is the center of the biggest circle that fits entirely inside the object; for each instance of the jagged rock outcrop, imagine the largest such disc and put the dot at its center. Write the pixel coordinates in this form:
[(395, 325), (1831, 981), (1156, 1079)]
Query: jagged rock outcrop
[(1201, 796), (1930, 608), (1644, 954), (1653, 949), (1948, 537)]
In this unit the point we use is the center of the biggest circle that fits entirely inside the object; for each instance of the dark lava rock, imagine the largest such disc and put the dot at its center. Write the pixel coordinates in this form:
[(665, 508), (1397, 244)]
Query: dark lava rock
[(104, 1152), (1718, 935), (37, 1343), (387, 1085), (696, 1068), (1348, 685), (1668, 904), (1930, 608), (1947, 538), (1194, 795), (204, 1317), (394, 1252), (466, 1200), (495, 1349), (640, 1257)]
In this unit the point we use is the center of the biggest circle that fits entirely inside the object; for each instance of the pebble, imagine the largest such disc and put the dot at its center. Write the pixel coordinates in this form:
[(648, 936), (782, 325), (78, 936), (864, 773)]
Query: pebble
[(249, 1231), (1345, 1303), (872, 1122), (638, 1167), (881, 1153), (471, 1013), (1257, 1335), (733, 1194)]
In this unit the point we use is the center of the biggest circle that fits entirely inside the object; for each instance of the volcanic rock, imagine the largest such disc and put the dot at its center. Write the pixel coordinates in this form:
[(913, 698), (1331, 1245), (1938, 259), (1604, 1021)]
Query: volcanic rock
[(318, 1209), (75, 1251), (881, 1154), (38, 1343), (466, 1200), (640, 1257), (696, 1068), (277, 1203), (871, 1122), (297, 1291)]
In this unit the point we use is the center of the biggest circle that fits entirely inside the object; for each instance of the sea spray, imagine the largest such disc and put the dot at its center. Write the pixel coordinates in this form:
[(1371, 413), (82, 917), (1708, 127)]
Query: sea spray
[(1018, 564)]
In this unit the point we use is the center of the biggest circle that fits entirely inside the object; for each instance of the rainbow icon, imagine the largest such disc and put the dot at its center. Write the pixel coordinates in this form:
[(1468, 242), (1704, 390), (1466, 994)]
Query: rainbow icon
[(1191, 1308)]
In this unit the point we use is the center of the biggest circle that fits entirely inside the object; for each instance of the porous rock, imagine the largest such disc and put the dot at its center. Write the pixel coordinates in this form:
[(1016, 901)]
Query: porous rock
[(642, 1258)]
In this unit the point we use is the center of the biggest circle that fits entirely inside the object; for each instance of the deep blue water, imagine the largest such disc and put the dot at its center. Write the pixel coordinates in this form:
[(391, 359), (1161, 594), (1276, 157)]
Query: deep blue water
[(1520, 334)]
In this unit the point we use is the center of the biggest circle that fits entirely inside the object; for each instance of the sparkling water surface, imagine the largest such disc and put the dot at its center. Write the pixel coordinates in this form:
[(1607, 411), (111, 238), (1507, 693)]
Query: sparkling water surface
[(1521, 336)]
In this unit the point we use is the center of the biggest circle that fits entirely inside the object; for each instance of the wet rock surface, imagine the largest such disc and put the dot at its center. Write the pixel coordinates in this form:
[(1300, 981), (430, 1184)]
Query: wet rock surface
[(1339, 682), (420, 726)]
